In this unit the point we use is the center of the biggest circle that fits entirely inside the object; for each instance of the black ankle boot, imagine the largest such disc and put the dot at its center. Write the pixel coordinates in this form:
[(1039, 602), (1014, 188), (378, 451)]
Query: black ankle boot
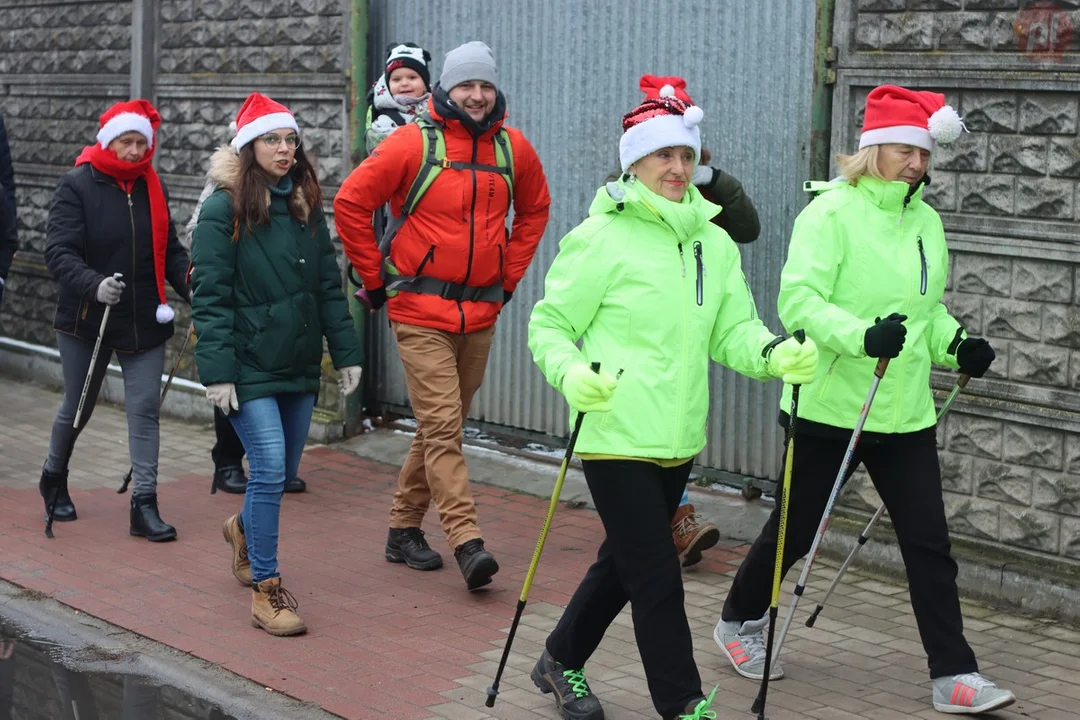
[(477, 564), (296, 485), (230, 479), (146, 521), (407, 545), (54, 491)]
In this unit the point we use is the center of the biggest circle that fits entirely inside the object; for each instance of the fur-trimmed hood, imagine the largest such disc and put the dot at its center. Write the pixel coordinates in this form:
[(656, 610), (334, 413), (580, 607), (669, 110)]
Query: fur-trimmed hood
[(224, 173)]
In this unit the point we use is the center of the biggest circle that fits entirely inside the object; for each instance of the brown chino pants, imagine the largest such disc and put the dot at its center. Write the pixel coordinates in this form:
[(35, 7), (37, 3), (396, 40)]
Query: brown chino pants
[(442, 371)]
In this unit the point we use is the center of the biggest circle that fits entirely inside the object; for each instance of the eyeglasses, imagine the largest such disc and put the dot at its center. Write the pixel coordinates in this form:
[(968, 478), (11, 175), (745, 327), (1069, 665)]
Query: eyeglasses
[(272, 141)]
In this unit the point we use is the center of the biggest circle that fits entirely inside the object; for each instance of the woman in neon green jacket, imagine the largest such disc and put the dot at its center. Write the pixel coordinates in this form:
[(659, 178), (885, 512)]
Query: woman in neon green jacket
[(654, 289), (868, 248)]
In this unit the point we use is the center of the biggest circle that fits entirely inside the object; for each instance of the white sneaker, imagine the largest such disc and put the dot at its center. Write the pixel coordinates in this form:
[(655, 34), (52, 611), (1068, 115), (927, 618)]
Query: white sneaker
[(969, 694), (744, 646)]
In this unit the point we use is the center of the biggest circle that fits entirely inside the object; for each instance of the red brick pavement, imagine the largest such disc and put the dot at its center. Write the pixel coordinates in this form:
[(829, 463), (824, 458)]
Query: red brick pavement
[(384, 641)]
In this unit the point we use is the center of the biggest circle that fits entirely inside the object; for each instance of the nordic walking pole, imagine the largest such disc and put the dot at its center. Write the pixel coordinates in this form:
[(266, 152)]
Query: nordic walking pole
[(161, 401), (493, 691), (79, 409), (93, 359), (781, 533), (879, 372), (961, 383)]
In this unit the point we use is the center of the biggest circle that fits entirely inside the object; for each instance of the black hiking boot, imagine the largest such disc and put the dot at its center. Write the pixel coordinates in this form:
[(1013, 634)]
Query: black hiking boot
[(296, 485), (407, 545), (573, 697), (477, 564), (146, 521), (230, 479), (54, 491)]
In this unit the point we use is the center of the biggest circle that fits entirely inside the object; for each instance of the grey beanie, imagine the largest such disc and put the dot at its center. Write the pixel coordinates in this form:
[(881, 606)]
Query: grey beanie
[(471, 61)]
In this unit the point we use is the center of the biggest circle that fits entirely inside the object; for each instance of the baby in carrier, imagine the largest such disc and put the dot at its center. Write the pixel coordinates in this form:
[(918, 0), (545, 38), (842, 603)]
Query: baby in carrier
[(397, 98), (400, 93)]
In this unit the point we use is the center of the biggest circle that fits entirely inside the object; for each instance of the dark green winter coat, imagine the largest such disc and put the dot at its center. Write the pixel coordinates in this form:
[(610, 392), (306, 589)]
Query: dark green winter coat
[(262, 304)]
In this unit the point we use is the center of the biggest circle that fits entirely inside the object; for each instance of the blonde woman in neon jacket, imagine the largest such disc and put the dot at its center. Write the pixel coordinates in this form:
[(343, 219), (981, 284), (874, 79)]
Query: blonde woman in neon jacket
[(865, 276), (652, 288)]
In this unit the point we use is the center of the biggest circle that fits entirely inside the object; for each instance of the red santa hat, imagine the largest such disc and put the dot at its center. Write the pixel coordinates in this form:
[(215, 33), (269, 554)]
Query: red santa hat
[(666, 118), (258, 116), (911, 117), (132, 116)]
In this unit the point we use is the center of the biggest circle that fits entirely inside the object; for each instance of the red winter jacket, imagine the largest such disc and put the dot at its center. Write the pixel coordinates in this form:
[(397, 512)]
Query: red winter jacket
[(457, 232)]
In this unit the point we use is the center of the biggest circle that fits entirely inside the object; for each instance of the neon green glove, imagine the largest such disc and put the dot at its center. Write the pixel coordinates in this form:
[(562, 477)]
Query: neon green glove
[(588, 391), (794, 363)]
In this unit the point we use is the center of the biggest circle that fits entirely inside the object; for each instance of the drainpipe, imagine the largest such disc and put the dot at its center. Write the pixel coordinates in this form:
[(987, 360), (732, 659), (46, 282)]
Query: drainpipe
[(357, 74), (821, 95)]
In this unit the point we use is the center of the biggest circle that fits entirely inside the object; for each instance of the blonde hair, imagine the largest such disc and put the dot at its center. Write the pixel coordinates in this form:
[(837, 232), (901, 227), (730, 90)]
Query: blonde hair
[(864, 162)]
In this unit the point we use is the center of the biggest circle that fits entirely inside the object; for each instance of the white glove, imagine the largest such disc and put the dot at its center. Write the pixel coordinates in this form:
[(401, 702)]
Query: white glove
[(349, 379), (222, 396), (109, 289), (703, 176)]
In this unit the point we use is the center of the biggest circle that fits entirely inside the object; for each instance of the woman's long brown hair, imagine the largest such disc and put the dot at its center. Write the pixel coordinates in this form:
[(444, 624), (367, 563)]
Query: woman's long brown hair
[(250, 206)]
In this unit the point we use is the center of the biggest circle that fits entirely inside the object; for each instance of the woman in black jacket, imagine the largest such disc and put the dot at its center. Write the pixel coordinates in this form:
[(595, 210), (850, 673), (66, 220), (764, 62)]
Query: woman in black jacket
[(110, 215)]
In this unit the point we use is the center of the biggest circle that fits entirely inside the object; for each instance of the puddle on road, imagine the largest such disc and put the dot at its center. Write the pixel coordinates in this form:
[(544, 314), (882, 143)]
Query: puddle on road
[(36, 685)]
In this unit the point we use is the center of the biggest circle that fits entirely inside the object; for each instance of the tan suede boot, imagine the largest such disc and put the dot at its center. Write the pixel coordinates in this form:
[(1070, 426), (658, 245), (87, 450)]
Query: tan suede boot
[(691, 536), (241, 566), (273, 608)]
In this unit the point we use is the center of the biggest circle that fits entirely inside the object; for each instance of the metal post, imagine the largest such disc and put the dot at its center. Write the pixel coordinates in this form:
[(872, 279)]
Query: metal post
[(821, 94), (358, 83), (144, 17)]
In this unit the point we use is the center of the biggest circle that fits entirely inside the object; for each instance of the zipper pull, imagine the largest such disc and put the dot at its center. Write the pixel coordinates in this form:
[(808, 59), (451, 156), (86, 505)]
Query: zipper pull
[(682, 260), (700, 259), (129, 201)]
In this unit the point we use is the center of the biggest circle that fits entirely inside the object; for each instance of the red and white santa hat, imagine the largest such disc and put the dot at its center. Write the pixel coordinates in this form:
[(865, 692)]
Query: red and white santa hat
[(666, 118), (258, 116), (910, 117), (131, 116)]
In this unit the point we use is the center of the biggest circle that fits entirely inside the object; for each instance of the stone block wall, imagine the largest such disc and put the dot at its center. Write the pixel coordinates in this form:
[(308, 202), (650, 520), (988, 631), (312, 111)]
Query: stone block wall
[(1009, 196)]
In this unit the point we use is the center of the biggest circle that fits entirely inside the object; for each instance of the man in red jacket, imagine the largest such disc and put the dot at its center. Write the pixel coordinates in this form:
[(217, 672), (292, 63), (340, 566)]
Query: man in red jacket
[(452, 266)]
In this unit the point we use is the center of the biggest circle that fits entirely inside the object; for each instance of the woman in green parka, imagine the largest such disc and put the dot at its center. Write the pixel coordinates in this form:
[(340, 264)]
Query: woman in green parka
[(865, 276), (652, 288), (266, 290)]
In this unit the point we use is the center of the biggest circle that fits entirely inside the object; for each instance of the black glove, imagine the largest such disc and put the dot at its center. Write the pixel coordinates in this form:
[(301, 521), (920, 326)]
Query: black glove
[(507, 294), (377, 297), (885, 338), (975, 356)]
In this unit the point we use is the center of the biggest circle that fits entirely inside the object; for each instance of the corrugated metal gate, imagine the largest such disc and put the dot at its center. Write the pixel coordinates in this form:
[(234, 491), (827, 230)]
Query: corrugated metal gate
[(569, 70)]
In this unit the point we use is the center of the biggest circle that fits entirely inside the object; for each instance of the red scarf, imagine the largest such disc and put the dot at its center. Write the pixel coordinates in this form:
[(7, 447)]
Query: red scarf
[(126, 173)]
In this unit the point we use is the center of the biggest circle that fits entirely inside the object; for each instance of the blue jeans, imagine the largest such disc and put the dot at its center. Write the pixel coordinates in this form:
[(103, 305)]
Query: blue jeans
[(685, 498), (273, 430)]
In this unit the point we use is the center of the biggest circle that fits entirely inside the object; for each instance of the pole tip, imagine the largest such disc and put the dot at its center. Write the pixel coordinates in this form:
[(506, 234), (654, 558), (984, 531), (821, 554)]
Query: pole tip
[(813, 617), (491, 693)]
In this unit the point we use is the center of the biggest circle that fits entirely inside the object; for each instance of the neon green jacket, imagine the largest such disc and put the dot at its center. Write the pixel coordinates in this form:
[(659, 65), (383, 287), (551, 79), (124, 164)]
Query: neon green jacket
[(655, 298), (857, 253)]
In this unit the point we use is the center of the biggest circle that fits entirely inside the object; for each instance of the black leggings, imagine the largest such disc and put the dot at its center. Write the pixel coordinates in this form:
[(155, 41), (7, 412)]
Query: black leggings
[(907, 475), (637, 563)]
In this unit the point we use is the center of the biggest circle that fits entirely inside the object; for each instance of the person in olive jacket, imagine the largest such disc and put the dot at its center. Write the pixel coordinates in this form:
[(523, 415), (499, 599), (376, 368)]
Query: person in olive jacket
[(110, 215), (266, 290)]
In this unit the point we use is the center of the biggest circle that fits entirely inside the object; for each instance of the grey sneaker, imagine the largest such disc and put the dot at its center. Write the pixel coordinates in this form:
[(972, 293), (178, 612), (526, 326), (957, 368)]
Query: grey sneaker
[(969, 694), (744, 646)]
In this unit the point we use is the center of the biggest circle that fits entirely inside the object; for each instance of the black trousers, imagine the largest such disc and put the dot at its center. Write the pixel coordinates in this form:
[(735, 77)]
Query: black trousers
[(637, 563), (227, 450), (906, 472)]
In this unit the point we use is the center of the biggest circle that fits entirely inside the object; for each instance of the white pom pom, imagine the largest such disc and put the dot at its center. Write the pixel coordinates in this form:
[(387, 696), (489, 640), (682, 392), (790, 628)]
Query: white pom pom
[(945, 125), (667, 91), (232, 127), (693, 116), (164, 314)]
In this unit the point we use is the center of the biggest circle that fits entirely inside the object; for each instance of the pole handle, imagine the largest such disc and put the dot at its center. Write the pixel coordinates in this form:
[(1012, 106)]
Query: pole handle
[(882, 366)]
